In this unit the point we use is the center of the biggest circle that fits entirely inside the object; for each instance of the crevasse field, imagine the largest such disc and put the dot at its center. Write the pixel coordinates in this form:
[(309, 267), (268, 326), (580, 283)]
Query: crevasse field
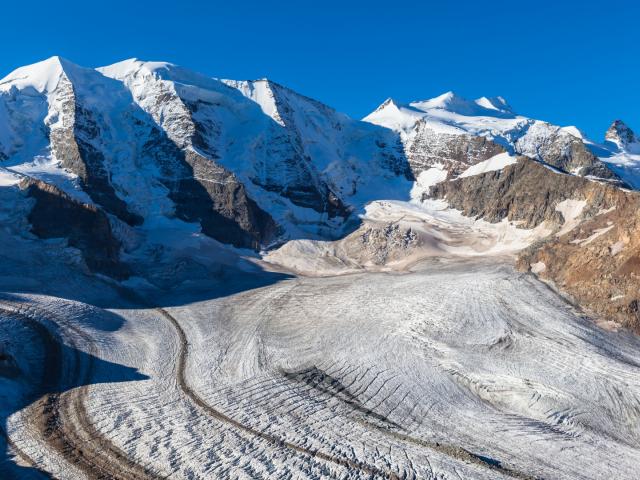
[(455, 369)]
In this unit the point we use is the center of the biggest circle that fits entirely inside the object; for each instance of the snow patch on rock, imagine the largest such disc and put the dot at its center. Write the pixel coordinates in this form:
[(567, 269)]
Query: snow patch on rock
[(570, 210), (497, 162)]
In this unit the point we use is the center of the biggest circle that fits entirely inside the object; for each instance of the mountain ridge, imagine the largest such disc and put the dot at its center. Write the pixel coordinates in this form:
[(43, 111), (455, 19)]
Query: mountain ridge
[(178, 163)]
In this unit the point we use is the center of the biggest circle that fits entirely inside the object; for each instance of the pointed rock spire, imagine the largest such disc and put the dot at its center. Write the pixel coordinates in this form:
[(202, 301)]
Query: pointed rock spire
[(620, 134)]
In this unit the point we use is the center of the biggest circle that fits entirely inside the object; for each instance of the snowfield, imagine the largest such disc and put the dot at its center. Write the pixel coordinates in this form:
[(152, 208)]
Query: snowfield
[(458, 368)]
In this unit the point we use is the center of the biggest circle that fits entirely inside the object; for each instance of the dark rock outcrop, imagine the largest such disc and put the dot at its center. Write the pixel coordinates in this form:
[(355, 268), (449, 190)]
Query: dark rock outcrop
[(205, 192), (564, 152), (213, 196), (620, 134), (86, 227)]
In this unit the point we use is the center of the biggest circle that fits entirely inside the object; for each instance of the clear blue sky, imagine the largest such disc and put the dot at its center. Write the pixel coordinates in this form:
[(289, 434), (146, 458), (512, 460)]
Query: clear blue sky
[(568, 62)]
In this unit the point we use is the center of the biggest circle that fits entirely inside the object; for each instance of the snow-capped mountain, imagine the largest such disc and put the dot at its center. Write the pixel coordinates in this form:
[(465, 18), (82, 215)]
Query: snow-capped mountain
[(151, 142), (311, 164), (622, 136), (621, 152), (157, 156), (435, 127)]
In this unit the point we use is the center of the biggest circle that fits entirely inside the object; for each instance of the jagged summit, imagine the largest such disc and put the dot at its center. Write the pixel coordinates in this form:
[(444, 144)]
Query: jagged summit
[(388, 103), (620, 134)]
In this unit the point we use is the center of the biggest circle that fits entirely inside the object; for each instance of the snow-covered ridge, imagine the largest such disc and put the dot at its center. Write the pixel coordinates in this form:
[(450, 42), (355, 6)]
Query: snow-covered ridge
[(145, 138), (563, 147), (42, 76)]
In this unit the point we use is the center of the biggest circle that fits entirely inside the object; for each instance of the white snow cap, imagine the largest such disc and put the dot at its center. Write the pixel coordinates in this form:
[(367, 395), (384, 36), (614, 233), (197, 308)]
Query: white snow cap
[(494, 103), (452, 102), (130, 66), (42, 76)]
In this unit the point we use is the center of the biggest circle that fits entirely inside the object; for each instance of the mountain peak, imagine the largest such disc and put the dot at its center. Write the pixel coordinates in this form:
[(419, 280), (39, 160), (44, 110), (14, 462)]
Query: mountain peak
[(43, 76), (125, 68), (620, 134), (389, 102), (445, 100), (494, 103), (454, 103)]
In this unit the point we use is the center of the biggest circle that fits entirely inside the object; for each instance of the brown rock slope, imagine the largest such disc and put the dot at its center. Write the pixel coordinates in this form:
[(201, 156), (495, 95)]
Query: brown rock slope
[(596, 263)]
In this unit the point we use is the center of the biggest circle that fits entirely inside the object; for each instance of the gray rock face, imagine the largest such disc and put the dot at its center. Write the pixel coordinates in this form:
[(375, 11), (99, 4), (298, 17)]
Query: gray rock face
[(305, 186), (526, 192), (221, 205), (620, 134), (206, 193), (563, 151), (291, 173), (71, 143), (86, 227), (455, 152), (382, 242)]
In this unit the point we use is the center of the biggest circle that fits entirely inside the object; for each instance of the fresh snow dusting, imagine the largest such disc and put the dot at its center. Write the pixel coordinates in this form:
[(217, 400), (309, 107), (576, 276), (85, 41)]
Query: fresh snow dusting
[(8, 178), (497, 162), (452, 114), (494, 103), (574, 131), (259, 91), (42, 76), (538, 267)]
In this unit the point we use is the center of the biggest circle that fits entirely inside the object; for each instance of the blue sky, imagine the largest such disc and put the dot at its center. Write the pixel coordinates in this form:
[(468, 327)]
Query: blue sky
[(567, 62)]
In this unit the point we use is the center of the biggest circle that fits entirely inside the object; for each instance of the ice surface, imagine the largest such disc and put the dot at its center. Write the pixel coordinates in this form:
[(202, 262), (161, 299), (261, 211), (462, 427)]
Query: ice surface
[(460, 367)]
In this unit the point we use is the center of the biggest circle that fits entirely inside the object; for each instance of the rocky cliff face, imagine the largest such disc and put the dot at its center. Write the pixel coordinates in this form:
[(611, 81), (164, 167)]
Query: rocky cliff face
[(592, 254), (526, 192), (564, 151), (73, 140), (286, 150), (86, 227), (449, 116), (621, 135), (427, 148), (597, 262)]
